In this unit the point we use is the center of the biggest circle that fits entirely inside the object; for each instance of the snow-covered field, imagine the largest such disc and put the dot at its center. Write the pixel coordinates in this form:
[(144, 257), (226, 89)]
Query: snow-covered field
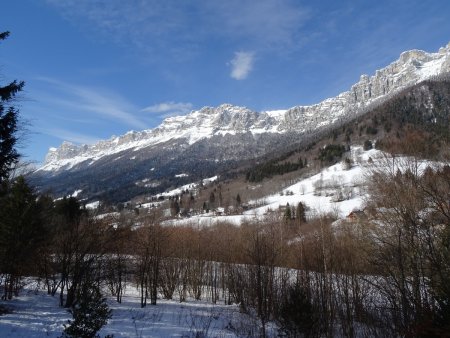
[(36, 314)]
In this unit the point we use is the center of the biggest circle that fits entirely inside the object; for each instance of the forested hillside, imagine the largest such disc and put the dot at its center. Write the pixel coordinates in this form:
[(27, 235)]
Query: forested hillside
[(415, 121)]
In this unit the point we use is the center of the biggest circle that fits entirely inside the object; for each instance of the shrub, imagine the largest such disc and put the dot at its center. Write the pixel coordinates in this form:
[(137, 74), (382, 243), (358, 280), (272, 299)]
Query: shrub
[(90, 313), (297, 316), (367, 145)]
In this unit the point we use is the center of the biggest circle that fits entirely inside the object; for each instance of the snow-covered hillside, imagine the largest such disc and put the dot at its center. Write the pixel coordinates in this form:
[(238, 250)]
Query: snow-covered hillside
[(412, 67), (338, 189)]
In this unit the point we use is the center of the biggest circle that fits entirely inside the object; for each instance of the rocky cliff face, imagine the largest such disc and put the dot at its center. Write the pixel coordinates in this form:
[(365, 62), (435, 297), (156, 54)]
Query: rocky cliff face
[(213, 139), (411, 67)]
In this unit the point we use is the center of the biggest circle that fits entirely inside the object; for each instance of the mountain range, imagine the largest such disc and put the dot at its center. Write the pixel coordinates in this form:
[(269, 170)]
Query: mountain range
[(213, 140)]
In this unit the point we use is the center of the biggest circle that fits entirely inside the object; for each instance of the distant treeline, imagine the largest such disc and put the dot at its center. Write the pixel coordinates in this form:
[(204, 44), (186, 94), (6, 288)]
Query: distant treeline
[(273, 168)]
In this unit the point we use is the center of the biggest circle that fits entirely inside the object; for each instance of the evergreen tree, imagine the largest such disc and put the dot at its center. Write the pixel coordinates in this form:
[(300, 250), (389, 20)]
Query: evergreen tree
[(296, 314), (174, 208), (90, 313), (287, 213), (301, 217), (367, 145), (68, 212), (220, 199), (212, 200), (21, 232), (238, 200), (8, 124)]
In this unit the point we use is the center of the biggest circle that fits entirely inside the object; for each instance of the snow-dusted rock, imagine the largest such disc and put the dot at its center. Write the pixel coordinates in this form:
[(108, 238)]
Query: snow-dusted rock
[(412, 66)]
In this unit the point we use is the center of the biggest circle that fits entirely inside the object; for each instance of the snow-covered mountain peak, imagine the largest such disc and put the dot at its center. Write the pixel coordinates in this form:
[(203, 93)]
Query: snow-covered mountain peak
[(414, 54), (209, 120), (411, 67)]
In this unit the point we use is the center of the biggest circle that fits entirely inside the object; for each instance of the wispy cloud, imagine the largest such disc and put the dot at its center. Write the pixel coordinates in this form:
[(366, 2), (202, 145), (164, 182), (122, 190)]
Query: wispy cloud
[(67, 135), (241, 65), (166, 109), (92, 100), (181, 27), (264, 24)]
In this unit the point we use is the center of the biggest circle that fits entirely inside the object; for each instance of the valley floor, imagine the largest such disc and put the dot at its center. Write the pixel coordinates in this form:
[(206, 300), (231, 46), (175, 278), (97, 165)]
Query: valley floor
[(36, 314)]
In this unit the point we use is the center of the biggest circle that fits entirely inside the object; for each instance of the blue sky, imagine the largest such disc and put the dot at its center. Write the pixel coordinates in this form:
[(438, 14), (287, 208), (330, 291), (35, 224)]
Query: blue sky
[(97, 68)]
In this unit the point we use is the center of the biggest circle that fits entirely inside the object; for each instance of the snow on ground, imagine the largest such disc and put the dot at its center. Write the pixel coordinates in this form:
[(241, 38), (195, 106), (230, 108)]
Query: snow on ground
[(210, 180), (93, 205), (36, 314), (334, 180), (110, 215), (190, 186), (76, 193)]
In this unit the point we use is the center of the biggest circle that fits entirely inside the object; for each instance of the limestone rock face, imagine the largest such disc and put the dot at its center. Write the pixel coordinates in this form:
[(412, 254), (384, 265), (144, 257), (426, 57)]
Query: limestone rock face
[(66, 150), (412, 66)]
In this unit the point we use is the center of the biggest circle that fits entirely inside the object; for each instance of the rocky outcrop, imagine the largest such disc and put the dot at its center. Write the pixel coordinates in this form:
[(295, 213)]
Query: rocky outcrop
[(412, 66)]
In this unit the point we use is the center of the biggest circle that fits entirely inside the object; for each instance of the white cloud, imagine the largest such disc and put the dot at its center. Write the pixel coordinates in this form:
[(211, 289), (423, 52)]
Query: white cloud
[(70, 136), (93, 100), (169, 108), (268, 24), (241, 65), (180, 27)]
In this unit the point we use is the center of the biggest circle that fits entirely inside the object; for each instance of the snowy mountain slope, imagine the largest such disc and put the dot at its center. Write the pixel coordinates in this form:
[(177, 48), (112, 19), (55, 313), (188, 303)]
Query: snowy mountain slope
[(337, 189), (412, 67), (222, 140)]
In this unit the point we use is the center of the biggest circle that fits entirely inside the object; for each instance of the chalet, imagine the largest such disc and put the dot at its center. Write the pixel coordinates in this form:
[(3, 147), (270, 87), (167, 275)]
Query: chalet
[(357, 215)]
